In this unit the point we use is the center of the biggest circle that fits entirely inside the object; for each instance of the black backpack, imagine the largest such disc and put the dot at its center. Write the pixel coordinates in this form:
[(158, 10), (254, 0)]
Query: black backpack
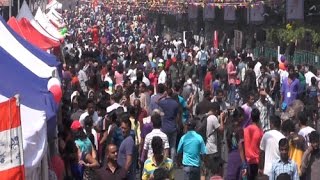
[(201, 126)]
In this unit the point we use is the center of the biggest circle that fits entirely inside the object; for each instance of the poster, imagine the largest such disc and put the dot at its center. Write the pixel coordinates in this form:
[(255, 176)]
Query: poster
[(192, 11), (295, 9), (229, 13), (256, 13), (208, 12)]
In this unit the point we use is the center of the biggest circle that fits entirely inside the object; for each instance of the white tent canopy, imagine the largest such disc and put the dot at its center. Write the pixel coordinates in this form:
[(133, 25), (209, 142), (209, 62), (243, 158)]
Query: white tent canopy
[(46, 24), (56, 14), (54, 20), (25, 12), (54, 4)]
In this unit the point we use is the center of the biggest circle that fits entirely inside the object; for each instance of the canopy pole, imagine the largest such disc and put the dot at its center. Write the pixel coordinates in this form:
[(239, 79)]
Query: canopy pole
[(18, 6), (10, 6)]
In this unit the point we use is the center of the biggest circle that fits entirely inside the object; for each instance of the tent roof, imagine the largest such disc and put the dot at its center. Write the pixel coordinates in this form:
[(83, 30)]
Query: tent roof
[(46, 24), (25, 12), (55, 13), (33, 58), (32, 89), (54, 20), (36, 35), (54, 4), (29, 33)]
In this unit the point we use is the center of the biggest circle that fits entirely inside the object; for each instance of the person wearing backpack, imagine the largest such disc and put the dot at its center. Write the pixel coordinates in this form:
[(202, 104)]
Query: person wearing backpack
[(214, 124), (202, 57)]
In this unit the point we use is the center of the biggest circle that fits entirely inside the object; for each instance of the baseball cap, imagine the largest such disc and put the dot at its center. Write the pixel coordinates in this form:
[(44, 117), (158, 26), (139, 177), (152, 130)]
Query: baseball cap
[(75, 125)]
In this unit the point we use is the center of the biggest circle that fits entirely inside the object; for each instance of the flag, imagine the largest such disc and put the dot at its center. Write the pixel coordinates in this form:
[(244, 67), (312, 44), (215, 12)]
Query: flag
[(215, 40), (11, 148)]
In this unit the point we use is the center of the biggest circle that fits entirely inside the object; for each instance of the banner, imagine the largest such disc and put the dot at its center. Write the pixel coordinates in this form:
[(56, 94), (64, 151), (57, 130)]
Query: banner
[(229, 13), (295, 9), (256, 13), (192, 11), (238, 37), (215, 40), (208, 12), (11, 148)]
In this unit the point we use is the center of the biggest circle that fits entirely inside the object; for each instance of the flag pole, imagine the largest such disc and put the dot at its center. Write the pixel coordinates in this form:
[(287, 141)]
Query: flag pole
[(17, 96), (18, 6), (10, 6)]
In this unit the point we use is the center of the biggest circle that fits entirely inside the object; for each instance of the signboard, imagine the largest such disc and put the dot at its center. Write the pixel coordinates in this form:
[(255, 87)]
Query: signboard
[(192, 11), (238, 36), (5, 2), (229, 13), (295, 9), (256, 13), (208, 12)]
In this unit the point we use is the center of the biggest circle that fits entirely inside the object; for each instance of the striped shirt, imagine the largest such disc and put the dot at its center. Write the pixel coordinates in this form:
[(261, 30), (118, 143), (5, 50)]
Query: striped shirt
[(150, 166), (148, 139), (280, 167)]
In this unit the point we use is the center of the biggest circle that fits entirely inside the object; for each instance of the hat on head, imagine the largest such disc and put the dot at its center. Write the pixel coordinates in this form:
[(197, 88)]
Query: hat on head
[(74, 94), (75, 125)]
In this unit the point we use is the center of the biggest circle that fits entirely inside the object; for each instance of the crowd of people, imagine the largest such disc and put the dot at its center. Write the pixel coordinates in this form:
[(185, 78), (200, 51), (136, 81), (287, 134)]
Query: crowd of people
[(139, 106)]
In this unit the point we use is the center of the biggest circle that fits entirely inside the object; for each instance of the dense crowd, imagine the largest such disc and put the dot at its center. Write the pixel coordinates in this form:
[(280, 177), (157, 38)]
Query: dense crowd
[(139, 106)]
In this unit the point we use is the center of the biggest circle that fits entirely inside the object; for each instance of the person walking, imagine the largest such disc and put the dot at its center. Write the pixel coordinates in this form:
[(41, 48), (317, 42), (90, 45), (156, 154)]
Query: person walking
[(269, 149), (157, 160), (284, 165), (311, 158), (191, 146)]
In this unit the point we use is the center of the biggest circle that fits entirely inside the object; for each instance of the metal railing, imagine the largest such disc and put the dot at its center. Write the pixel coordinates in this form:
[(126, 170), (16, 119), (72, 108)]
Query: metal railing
[(299, 57)]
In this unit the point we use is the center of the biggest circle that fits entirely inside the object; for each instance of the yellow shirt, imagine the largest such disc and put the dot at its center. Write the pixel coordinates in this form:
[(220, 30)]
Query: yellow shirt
[(150, 166), (137, 131), (296, 150)]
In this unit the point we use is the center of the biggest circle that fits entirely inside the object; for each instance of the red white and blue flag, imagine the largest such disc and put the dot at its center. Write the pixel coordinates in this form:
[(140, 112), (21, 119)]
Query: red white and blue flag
[(11, 148)]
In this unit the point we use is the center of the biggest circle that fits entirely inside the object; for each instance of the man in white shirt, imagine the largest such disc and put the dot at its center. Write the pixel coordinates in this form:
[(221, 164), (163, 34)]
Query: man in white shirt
[(304, 129), (90, 112), (162, 76), (147, 150), (308, 75), (214, 126), (83, 78), (269, 146), (115, 102)]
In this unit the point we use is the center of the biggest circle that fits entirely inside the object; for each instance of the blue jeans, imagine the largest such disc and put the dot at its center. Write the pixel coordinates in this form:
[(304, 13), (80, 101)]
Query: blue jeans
[(172, 138), (191, 173), (232, 94)]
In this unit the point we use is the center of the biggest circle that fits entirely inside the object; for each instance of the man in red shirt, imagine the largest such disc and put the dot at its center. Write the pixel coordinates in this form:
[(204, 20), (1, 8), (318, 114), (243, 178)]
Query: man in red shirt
[(252, 137), (208, 79)]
